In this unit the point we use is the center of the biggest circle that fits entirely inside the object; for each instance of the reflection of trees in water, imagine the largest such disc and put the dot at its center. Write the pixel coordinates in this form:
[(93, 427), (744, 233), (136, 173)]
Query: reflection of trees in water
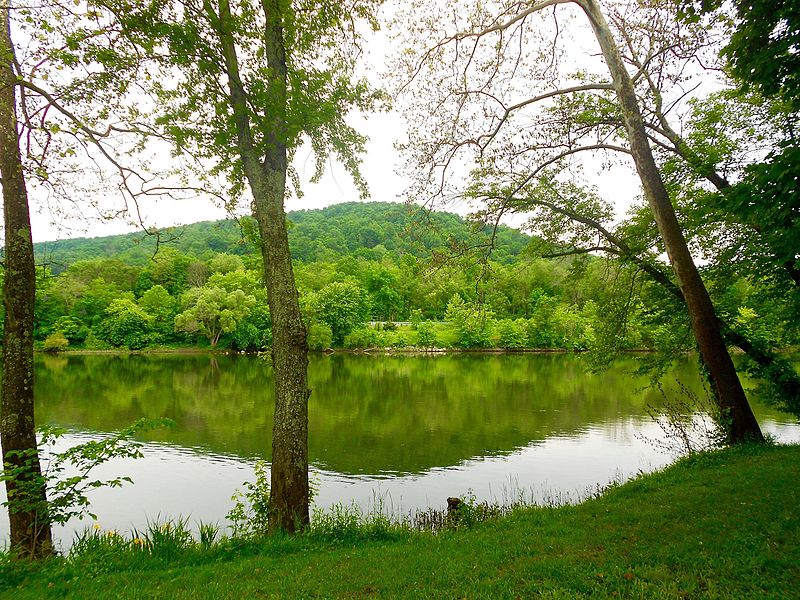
[(368, 413)]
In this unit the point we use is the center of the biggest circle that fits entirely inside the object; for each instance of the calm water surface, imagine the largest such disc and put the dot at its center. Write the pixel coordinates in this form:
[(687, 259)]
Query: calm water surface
[(403, 431)]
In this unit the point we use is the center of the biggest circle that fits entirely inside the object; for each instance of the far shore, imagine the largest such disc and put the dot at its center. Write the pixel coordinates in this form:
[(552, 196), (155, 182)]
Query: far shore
[(371, 350)]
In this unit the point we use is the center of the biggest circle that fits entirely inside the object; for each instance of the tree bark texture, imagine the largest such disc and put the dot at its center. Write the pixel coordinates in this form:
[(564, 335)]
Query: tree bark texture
[(266, 176), (739, 420), (30, 531)]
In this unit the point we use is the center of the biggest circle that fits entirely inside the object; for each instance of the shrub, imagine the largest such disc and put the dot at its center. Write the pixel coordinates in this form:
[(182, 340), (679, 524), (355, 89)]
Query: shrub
[(55, 342), (94, 342), (426, 335), (365, 337), (126, 324), (344, 305), (320, 336), (511, 334), (72, 328), (250, 513), (472, 324)]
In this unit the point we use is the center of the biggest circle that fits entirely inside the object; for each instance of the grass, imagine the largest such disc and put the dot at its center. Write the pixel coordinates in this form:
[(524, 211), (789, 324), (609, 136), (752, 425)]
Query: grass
[(718, 525)]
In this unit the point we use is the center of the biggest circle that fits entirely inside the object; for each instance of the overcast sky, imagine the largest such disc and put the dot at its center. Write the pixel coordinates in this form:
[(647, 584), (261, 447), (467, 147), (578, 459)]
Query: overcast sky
[(379, 169)]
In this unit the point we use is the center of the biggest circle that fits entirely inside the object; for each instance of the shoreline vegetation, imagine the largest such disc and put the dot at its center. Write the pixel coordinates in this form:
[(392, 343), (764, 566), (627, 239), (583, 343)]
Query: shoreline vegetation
[(412, 350), (204, 290), (718, 524)]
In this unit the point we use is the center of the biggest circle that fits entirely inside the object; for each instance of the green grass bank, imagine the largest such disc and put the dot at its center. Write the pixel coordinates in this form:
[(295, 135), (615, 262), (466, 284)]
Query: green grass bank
[(719, 525)]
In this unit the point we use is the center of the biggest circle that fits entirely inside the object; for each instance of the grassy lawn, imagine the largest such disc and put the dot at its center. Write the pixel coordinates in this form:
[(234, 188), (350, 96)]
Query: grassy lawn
[(722, 525)]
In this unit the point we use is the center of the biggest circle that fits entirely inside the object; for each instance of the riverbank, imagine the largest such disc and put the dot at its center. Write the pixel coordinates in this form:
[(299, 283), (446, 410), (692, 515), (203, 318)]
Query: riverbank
[(719, 525)]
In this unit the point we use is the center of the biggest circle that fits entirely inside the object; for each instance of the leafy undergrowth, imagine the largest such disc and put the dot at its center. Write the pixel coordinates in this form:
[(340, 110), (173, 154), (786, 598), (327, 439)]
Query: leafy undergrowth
[(717, 525)]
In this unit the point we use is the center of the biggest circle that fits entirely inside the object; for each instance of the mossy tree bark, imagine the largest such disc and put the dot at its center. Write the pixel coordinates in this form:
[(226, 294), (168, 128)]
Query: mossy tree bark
[(30, 531), (739, 419)]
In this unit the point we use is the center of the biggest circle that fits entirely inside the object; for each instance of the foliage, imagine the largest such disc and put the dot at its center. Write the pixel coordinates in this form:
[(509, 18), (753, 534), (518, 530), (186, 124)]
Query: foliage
[(314, 236), (212, 311), (66, 475), (320, 336), (343, 305), (126, 325), (72, 328), (510, 334), (472, 323), (363, 337), (250, 513), (161, 306), (762, 48), (426, 334), (254, 332), (95, 342), (55, 342)]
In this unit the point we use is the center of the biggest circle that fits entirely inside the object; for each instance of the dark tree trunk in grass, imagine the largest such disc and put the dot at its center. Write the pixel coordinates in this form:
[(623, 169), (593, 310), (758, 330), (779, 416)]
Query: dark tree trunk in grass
[(30, 533), (740, 423), (266, 177)]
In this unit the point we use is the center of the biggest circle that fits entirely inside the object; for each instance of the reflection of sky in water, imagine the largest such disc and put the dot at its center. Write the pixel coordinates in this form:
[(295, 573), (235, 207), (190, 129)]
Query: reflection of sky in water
[(172, 481)]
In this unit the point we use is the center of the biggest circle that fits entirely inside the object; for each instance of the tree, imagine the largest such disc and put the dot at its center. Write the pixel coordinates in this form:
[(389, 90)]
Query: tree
[(160, 305), (126, 325), (212, 311), (225, 263), (762, 56), (242, 85), (480, 86), (472, 323), (72, 329), (52, 42), (762, 49), (29, 533), (343, 305)]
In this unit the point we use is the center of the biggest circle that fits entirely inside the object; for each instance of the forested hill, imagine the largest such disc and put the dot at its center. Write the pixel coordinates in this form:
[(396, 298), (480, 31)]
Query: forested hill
[(368, 230)]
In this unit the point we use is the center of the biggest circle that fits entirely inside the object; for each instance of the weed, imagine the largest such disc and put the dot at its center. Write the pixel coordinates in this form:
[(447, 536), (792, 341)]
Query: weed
[(690, 424), (66, 475), (208, 534), (250, 513)]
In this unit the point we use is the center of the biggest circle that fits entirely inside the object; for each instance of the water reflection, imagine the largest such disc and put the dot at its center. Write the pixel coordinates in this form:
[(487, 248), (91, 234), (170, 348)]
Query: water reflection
[(409, 430)]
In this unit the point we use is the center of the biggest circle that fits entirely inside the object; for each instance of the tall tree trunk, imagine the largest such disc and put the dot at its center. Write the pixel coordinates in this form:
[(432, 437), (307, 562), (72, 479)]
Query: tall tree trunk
[(739, 419), (267, 179), (289, 499), (27, 503)]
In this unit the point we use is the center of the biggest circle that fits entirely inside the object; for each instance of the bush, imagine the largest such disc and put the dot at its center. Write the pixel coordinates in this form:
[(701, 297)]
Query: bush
[(426, 335), (472, 324), (126, 324), (320, 336), (250, 513), (511, 334), (72, 328), (55, 342), (93, 342), (365, 337), (344, 305)]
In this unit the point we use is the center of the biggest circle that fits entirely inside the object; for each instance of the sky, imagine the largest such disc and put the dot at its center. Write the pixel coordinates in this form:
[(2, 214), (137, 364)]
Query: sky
[(380, 166), (335, 187)]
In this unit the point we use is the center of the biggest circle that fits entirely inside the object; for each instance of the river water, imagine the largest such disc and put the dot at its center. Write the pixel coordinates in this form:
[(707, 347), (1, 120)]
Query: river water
[(400, 432)]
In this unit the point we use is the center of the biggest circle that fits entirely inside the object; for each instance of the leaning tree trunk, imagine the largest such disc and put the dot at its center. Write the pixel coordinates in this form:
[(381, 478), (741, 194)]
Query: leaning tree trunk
[(27, 500), (288, 505), (739, 420)]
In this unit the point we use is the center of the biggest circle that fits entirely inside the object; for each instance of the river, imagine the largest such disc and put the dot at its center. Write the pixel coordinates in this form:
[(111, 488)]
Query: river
[(402, 432)]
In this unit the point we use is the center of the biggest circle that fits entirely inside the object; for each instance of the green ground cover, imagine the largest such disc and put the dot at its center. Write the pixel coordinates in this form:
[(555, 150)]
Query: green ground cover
[(720, 525)]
